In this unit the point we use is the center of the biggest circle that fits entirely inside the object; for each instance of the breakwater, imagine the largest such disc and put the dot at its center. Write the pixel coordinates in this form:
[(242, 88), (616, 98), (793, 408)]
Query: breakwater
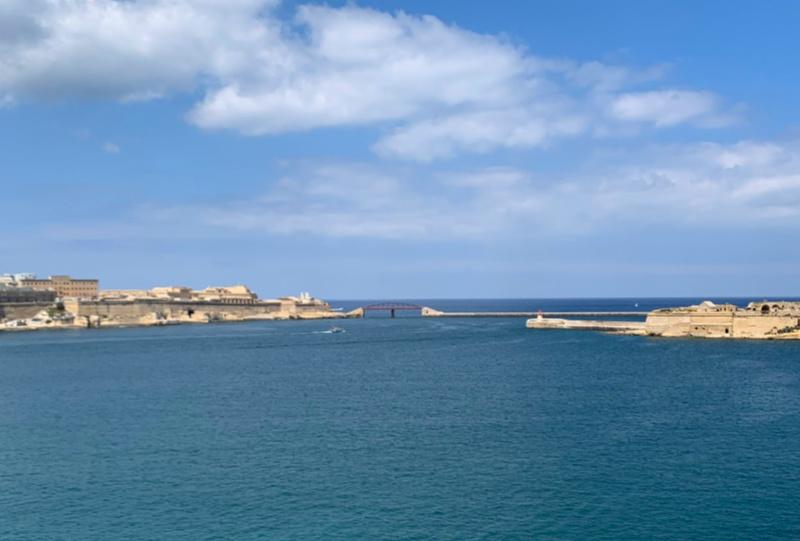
[(430, 312), (628, 327)]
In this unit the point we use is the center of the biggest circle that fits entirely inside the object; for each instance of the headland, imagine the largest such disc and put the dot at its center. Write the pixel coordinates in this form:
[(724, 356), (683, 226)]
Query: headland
[(62, 302), (765, 320)]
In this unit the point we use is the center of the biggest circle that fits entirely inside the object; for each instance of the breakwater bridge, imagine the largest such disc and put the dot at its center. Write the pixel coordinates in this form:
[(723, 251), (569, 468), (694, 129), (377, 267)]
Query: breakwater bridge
[(392, 308)]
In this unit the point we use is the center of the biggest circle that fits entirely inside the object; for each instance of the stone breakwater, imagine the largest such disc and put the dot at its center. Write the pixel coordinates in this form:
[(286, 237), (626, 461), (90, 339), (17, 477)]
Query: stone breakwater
[(430, 312), (766, 320), (628, 327)]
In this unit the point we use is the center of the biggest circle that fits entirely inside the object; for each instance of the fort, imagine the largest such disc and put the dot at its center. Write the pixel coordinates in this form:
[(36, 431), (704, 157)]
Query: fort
[(63, 286), (28, 303), (759, 320), (165, 311), (766, 320)]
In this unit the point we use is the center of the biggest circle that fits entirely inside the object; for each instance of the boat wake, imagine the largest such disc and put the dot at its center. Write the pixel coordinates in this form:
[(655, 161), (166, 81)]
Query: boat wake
[(333, 330)]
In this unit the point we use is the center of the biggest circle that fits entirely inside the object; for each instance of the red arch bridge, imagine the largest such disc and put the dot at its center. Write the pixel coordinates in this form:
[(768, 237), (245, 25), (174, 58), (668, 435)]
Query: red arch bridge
[(391, 307)]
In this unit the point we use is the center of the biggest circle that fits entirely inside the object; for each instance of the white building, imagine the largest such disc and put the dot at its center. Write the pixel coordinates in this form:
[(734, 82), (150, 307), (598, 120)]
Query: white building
[(14, 280)]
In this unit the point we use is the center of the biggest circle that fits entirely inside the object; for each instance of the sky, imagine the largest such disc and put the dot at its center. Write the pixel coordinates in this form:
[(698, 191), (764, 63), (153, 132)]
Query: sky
[(404, 149)]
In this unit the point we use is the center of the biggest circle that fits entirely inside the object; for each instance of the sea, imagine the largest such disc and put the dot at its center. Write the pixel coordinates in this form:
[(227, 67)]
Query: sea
[(398, 429)]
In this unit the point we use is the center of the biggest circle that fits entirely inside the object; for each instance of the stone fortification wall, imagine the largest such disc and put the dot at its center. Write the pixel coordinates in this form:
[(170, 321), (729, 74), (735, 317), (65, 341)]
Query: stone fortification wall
[(137, 311), (747, 325), (310, 308), (680, 323), (23, 310), (738, 324)]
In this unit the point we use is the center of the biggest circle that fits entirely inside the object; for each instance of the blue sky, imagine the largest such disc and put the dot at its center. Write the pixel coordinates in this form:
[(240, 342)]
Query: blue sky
[(395, 149)]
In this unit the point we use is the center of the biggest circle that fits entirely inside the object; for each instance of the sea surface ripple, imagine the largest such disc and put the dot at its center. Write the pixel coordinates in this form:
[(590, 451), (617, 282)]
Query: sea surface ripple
[(452, 429)]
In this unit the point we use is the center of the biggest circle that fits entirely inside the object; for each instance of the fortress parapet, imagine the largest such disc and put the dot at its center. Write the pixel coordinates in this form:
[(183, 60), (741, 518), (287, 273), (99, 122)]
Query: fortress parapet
[(759, 320)]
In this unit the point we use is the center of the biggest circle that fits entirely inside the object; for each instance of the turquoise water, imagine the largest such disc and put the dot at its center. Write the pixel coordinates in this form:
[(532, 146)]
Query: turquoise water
[(396, 429)]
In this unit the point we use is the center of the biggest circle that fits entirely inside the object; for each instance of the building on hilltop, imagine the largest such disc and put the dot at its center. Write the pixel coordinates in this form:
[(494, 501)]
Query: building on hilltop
[(14, 280), (64, 286), (238, 294), (303, 303), (124, 294), (180, 293)]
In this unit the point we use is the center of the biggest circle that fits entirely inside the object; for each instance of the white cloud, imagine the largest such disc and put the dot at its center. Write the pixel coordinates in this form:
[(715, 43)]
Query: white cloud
[(343, 201), (360, 66), (121, 50), (740, 186), (479, 131), (608, 78), (111, 148), (780, 185), (664, 187), (743, 154), (672, 188), (664, 108), (437, 90)]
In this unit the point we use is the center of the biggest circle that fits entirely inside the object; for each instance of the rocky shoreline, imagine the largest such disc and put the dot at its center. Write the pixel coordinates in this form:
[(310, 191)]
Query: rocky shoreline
[(42, 322)]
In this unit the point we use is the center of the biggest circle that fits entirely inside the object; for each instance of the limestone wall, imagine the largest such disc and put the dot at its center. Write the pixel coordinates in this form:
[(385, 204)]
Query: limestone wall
[(739, 324), (23, 310), (668, 324), (757, 326), (136, 311)]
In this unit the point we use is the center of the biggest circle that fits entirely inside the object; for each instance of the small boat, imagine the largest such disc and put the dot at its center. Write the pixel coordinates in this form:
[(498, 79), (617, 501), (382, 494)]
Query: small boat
[(334, 330)]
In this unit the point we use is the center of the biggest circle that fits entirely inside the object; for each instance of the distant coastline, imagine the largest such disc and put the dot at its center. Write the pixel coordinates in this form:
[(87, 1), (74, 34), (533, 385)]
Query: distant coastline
[(29, 303), (61, 302), (762, 320)]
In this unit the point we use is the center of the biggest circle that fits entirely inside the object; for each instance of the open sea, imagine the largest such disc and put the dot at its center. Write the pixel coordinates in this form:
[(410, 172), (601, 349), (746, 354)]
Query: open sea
[(404, 429)]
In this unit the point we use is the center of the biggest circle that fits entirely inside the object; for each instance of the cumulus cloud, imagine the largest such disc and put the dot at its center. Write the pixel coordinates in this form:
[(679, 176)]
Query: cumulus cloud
[(360, 66), (436, 90), (121, 50), (18, 23)]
